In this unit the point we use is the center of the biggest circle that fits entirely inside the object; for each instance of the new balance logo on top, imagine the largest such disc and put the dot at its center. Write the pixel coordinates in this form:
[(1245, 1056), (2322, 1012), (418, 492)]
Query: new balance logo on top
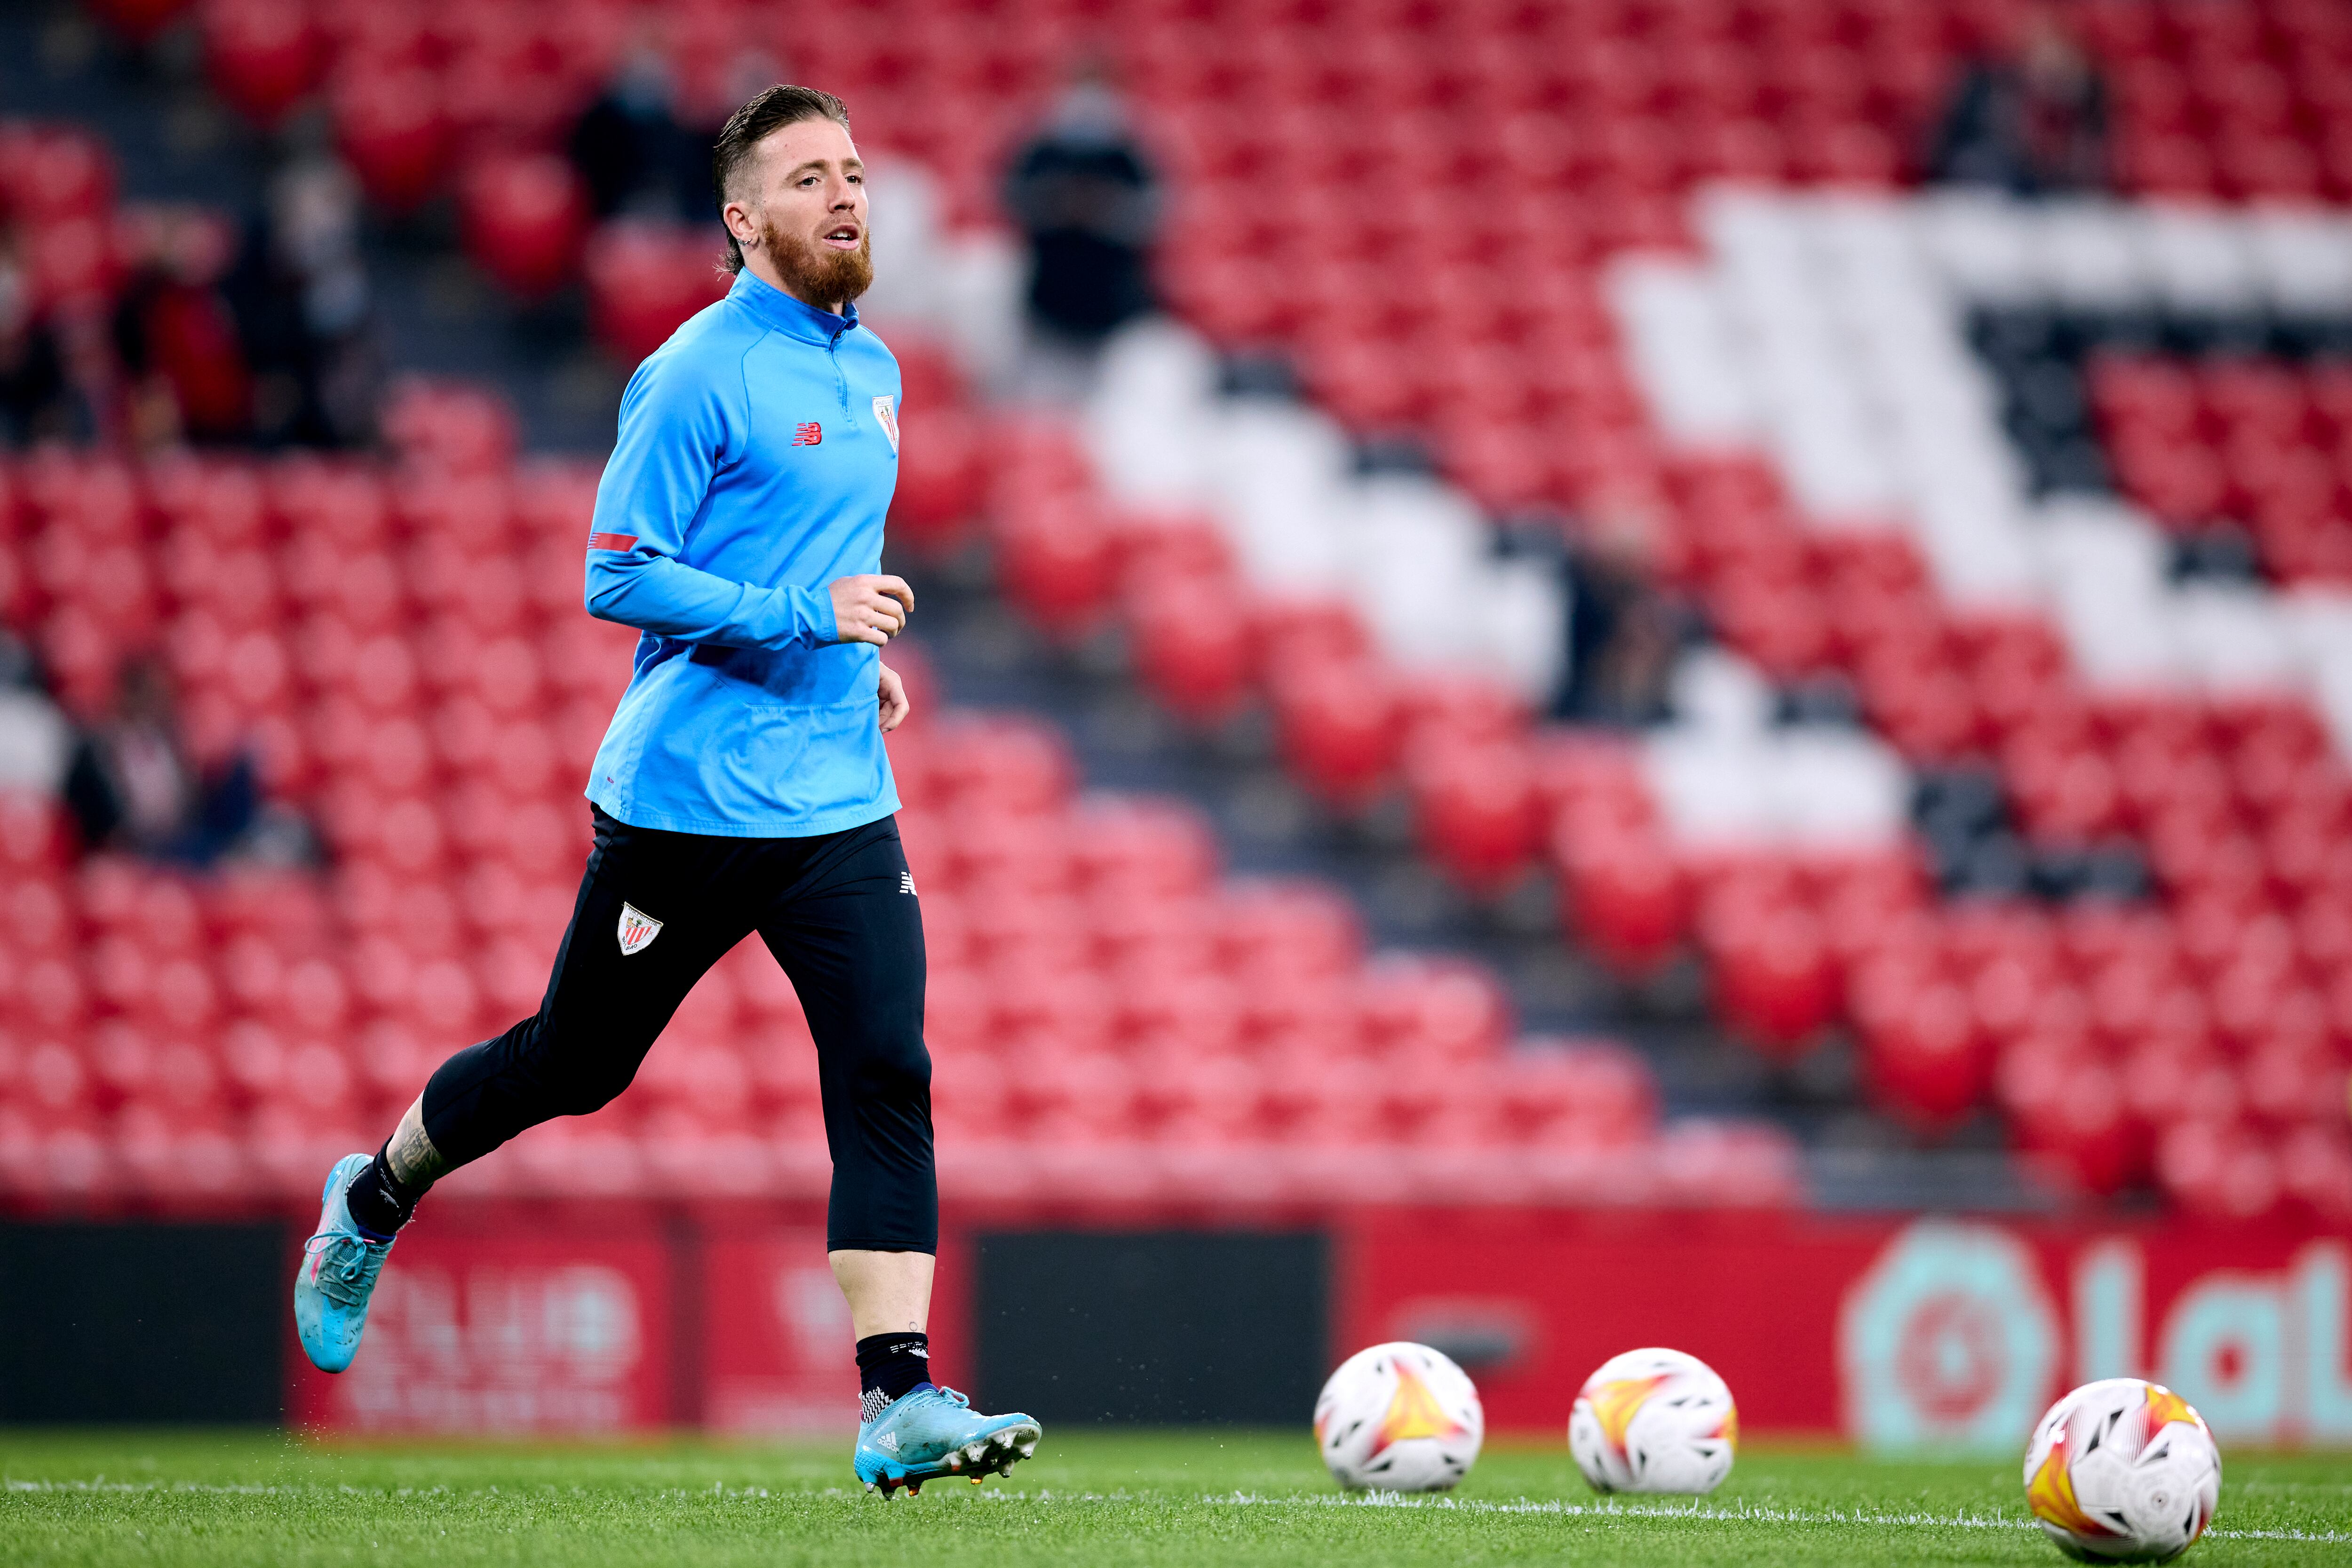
[(906, 882), (809, 435)]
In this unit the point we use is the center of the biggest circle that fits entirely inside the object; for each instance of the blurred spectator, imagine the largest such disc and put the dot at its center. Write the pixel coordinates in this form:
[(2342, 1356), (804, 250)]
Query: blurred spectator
[(1622, 633), (1087, 200), (2032, 125), (177, 339), (132, 786), (38, 401), (632, 153), (299, 296)]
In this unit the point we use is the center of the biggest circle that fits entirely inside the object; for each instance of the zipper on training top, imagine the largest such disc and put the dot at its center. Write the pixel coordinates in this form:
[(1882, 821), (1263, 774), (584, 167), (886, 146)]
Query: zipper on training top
[(840, 380)]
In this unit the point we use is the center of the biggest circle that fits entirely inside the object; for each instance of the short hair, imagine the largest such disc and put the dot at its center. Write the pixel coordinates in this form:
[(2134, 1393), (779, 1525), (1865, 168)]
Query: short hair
[(769, 111)]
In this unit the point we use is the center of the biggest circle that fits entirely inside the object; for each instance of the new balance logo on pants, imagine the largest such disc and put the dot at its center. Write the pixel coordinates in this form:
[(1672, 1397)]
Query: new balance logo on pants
[(906, 882)]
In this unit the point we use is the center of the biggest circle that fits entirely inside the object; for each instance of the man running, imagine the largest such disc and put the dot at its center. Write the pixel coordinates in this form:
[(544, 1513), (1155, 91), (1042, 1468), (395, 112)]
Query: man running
[(743, 784)]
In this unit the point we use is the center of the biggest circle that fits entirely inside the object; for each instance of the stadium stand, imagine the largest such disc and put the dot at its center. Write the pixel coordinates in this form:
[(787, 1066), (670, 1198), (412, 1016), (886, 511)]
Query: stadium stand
[(2189, 1036), (1961, 455), (404, 647)]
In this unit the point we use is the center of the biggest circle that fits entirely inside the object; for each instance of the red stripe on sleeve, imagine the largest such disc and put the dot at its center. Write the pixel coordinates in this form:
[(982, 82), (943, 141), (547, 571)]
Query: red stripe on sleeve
[(612, 541)]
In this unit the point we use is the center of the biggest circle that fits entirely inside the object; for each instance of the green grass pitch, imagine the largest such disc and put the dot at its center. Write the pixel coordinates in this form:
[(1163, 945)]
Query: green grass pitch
[(1089, 1497)]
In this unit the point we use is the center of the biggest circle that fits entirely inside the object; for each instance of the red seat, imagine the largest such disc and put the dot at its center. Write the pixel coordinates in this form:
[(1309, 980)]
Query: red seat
[(2069, 1108), (1475, 806), (262, 56), (2314, 1167), (1299, 930), (523, 217), (1032, 1001), (1434, 1010), (392, 127), (1001, 761), (1058, 564), (1191, 645), (643, 281), (1341, 724), (2218, 1167), (1924, 1057), (1138, 848), (1624, 895), (941, 475), (1775, 980)]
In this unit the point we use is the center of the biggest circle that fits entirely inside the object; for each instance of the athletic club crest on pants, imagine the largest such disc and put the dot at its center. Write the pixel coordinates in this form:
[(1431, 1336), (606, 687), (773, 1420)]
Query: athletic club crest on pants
[(638, 929), (887, 415)]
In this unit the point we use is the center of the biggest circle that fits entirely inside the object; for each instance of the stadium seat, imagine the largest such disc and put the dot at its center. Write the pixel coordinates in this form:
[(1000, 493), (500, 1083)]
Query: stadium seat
[(523, 217)]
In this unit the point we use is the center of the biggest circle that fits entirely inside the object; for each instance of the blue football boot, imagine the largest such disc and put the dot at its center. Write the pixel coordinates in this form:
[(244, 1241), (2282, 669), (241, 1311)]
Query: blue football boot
[(340, 1265), (930, 1432)]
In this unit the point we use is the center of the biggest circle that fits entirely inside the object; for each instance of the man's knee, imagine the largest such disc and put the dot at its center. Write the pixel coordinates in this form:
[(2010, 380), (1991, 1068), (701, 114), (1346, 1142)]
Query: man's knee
[(888, 1061), (590, 1087), (577, 1070), (544, 1069)]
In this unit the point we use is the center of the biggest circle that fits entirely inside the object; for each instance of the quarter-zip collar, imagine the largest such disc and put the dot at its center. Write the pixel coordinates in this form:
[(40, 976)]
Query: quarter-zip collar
[(791, 317)]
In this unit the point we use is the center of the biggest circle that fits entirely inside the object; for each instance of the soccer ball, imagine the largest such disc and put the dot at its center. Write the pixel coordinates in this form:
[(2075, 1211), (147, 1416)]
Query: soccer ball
[(1399, 1417), (2122, 1471), (1654, 1421)]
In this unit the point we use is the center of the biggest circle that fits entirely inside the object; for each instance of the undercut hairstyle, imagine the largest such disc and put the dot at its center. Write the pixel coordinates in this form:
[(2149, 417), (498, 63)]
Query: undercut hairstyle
[(772, 110)]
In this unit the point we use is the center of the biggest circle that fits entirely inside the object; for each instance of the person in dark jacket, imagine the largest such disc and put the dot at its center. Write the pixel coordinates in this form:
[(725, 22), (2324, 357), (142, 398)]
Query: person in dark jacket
[(1088, 199), (2032, 125), (132, 786)]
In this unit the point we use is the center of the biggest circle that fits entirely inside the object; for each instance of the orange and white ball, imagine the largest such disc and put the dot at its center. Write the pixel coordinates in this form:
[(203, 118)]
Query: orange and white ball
[(2122, 1471), (1655, 1420), (1400, 1418)]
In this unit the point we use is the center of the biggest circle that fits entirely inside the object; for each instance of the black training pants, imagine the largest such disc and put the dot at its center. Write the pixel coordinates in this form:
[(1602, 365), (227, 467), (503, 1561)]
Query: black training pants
[(838, 911)]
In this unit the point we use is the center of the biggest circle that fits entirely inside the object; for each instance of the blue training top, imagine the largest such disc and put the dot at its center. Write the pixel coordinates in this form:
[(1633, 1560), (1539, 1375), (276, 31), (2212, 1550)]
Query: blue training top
[(758, 450)]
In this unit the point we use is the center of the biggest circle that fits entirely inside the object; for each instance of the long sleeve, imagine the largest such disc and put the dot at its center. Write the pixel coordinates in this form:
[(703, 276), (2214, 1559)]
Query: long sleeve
[(675, 433)]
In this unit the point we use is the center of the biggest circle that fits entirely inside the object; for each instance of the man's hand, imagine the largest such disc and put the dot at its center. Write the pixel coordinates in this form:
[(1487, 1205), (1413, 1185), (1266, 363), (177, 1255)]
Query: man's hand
[(871, 608), (893, 694)]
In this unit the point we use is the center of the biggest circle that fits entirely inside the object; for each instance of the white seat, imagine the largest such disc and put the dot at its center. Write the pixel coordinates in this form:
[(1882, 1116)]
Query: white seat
[(1416, 556), (1521, 631), (2303, 258), (36, 741), (1673, 323), (983, 277), (1712, 791), (904, 205), (2088, 259), (1980, 246), (1149, 460), (1833, 788), (1835, 463), (2199, 258), (1715, 692), (2236, 639), (1157, 362), (1981, 556)]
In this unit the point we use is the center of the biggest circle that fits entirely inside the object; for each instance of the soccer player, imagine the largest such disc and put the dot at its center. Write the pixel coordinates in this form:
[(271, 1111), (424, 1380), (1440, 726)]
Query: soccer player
[(743, 784)]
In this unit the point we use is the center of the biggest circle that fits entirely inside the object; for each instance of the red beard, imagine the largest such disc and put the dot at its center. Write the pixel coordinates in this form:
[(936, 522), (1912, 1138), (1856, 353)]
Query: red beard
[(828, 279)]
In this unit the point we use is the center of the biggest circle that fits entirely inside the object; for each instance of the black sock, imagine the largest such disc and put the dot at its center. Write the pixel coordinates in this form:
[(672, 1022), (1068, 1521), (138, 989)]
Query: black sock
[(889, 1365), (380, 1205)]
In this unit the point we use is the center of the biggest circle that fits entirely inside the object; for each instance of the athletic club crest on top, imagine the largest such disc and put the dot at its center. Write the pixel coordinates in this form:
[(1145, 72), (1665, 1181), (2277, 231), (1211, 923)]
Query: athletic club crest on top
[(638, 929), (887, 415)]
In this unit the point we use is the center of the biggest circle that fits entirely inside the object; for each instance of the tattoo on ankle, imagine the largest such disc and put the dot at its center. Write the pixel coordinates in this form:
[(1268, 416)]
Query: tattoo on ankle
[(415, 1163)]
